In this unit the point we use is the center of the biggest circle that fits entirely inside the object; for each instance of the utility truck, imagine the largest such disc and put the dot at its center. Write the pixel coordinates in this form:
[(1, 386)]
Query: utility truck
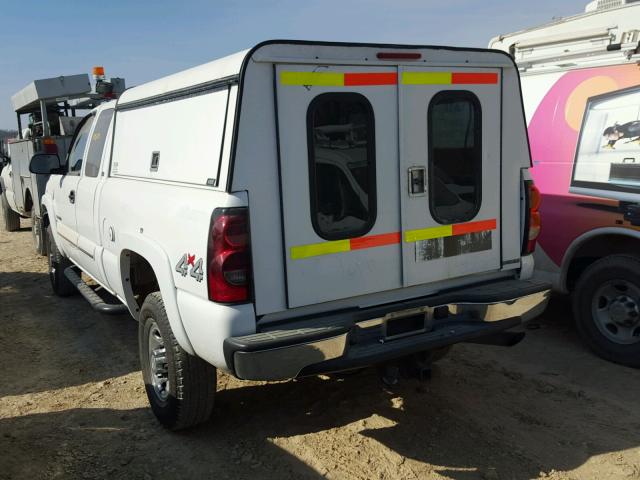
[(52, 107), (581, 85), (299, 208)]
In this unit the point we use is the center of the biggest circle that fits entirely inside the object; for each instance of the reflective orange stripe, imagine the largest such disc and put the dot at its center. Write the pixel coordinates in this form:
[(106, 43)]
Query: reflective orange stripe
[(375, 240), (472, 227), (378, 78)]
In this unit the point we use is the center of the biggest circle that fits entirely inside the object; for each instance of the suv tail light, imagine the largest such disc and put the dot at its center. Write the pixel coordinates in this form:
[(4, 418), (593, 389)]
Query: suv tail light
[(228, 258), (532, 223)]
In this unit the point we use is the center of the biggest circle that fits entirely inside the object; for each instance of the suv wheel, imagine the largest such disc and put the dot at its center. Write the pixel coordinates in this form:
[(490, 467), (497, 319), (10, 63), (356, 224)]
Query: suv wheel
[(180, 387), (606, 306)]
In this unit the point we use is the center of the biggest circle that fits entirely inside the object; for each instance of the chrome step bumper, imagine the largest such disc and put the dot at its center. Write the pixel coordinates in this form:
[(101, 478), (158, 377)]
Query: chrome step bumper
[(363, 337)]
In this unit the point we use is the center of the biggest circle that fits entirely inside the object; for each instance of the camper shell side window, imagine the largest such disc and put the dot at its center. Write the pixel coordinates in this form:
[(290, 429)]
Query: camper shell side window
[(455, 156), (342, 174)]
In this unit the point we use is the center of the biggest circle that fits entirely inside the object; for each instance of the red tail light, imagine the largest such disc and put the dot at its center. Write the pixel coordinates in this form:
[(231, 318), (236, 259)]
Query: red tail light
[(533, 222), (228, 259)]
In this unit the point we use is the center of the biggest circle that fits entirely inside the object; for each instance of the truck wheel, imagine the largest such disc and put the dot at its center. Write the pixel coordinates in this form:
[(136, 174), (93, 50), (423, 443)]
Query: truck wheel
[(36, 234), (10, 219), (606, 306), (57, 264), (180, 387)]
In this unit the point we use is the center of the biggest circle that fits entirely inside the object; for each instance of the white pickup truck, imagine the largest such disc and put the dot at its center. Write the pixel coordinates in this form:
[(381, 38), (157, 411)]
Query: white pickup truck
[(301, 207)]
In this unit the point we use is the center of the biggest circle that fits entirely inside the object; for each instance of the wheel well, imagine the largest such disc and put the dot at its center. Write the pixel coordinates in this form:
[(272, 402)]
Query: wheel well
[(28, 201), (140, 276), (596, 248)]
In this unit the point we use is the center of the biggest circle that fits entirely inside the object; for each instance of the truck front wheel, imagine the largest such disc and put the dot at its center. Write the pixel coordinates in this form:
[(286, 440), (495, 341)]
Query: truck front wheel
[(10, 219), (180, 387), (606, 306)]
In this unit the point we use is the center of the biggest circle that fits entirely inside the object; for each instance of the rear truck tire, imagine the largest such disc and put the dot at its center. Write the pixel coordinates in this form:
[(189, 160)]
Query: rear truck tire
[(180, 387), (10, 219), (60, 284), (606, 307), (36, 234)]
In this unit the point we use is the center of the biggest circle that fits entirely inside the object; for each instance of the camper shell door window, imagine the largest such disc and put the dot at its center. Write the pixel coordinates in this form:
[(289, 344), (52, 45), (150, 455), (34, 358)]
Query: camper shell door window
[(342, 176), (455, 156)]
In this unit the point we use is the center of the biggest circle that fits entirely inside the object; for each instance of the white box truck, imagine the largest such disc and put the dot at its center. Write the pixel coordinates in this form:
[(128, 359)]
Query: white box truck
[(52, 108), (302, 207)]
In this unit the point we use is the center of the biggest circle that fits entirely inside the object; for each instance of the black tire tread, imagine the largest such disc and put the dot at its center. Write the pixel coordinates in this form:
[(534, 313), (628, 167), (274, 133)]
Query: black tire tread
[(195, 379), (628, 355), (10, 219), (60, 284), (39, 243)]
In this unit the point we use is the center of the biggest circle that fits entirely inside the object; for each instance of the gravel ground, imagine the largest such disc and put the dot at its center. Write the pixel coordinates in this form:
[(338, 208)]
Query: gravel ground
[(72, 405)]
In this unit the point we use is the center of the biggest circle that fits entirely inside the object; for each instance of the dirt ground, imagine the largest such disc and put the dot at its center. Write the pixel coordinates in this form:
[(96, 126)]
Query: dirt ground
[(72, 405)]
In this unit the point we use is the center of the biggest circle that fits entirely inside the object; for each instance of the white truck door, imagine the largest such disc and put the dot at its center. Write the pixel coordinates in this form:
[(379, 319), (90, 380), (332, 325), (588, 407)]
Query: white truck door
[(65, 189), (87, 221), (450, 157), (338, 141)]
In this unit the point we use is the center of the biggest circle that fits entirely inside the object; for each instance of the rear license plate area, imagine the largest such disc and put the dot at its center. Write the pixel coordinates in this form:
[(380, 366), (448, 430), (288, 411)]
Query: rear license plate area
[(399, 327)]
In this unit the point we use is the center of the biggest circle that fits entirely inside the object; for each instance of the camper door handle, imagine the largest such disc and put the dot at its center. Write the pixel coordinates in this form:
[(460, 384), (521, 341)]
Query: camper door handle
[(72, 196)]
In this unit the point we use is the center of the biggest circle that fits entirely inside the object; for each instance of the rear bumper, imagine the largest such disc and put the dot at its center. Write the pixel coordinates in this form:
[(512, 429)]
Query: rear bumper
[(367, 336)]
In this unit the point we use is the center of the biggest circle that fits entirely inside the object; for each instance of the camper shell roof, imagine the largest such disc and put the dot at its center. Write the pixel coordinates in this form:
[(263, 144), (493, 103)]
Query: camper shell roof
[(229, 69)]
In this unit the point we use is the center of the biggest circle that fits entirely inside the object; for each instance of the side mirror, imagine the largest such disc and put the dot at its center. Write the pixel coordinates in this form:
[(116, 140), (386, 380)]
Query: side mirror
[(45, 164)]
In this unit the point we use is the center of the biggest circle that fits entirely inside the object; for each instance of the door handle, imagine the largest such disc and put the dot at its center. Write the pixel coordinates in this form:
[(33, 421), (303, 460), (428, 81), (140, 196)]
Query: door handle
[(72, 196)]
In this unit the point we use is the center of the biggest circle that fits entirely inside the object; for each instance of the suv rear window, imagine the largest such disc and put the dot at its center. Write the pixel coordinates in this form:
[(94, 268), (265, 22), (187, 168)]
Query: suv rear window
[(342, 176), (455, 156)]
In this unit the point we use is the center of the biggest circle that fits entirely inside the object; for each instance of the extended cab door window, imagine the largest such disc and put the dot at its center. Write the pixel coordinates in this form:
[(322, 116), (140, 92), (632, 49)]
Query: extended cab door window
[(78, 147), (96, 146)]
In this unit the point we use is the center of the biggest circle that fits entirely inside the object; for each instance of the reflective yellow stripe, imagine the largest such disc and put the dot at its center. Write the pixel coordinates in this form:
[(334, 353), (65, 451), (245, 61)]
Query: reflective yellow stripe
[(426, 78), (315, 249), (320, 79), (427, 233)]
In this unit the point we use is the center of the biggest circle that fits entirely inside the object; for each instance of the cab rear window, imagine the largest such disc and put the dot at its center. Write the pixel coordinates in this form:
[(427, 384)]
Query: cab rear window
[(342, 177), (455, 156)]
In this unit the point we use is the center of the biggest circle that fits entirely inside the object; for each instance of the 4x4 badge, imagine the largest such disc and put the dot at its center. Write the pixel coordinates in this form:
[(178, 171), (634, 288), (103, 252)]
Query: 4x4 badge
[(187, 260)]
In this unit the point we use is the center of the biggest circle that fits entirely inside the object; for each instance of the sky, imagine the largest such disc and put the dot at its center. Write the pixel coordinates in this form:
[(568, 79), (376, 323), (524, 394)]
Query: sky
[(144, 40)]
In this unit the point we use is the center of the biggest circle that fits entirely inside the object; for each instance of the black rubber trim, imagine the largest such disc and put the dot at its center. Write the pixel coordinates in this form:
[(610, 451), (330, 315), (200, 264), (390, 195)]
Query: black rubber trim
[(281, 338), (247, 58)]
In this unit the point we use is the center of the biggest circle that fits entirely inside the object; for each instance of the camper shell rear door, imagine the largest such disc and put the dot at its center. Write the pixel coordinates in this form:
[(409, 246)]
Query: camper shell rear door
[(368, 205)]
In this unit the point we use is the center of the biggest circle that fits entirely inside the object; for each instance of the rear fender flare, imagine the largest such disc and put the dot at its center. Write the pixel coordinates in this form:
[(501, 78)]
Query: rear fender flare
[(579, 241), (153, 253)]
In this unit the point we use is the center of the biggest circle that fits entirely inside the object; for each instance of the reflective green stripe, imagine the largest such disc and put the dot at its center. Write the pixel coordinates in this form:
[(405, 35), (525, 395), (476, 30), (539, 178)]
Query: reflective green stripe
[(316, 249), (427, 233)]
